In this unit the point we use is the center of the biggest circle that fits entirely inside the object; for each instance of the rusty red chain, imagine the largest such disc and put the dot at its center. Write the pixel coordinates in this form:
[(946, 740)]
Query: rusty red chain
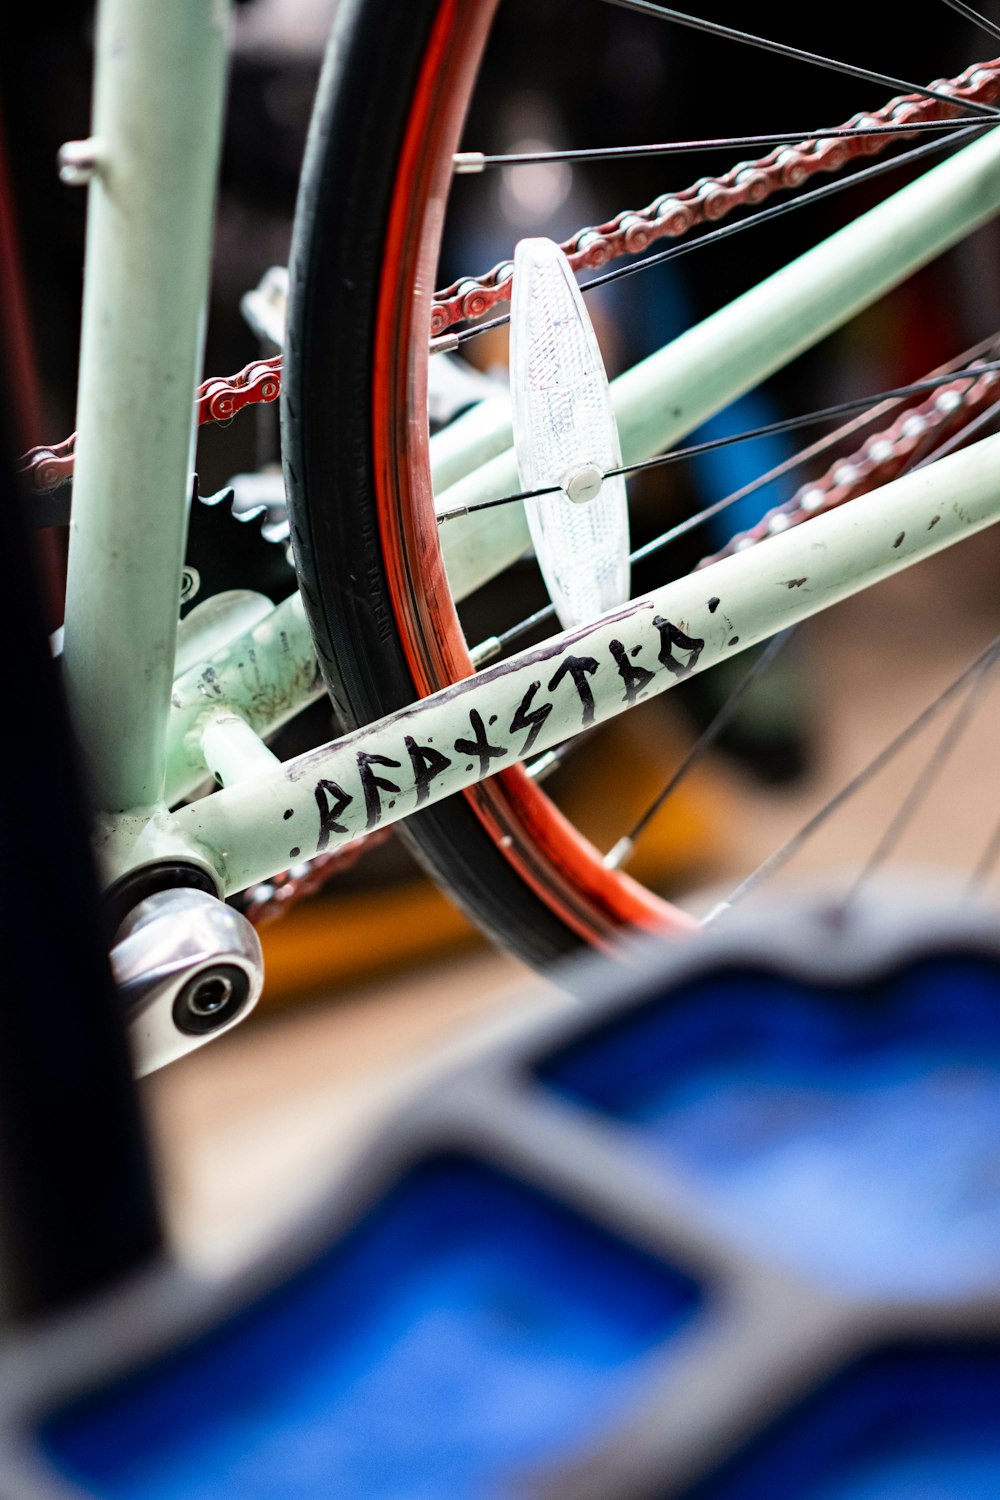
[(748, 183), (219, 399), (46, 468), (216, 400), (270, 899), (668, 216), (916, 433)]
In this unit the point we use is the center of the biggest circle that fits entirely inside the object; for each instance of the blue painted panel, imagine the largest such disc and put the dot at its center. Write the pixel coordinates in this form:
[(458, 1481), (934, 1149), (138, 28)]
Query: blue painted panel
[(467, 1328), (919, 1424), (855, 1138)]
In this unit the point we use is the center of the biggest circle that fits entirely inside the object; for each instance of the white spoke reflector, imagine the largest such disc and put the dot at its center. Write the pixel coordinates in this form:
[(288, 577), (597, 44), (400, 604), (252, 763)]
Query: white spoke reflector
[(565, 434)]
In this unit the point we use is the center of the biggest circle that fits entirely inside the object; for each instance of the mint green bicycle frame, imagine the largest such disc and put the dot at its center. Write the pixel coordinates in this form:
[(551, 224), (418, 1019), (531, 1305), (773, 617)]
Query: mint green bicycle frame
[(150, 741)]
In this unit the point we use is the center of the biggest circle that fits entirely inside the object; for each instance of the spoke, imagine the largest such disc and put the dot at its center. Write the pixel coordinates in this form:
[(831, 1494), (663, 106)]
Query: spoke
[(467, 162), (786, 466), (974, 16), (624, 847), (768, 429), (691, 523), (540, 617), (766, 215), (791, 847), (825, 414), (799, 54), (543, 765), (919, 792)]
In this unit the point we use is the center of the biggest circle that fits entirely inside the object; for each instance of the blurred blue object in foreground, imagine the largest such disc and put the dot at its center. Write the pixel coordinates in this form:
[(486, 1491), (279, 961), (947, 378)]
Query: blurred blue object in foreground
[(727, 1230)]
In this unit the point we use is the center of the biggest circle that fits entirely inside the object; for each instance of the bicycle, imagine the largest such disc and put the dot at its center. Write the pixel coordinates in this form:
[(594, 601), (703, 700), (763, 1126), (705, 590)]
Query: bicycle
[(384, 145), (159, 1314)]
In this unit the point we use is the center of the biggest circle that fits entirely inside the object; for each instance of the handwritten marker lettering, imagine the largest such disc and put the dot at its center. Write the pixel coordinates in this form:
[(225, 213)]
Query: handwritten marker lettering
[(579, 668), (481, 744), (331, 800), (427, 763), (372, 785), (634, 677), (671, 636), (532, 719)]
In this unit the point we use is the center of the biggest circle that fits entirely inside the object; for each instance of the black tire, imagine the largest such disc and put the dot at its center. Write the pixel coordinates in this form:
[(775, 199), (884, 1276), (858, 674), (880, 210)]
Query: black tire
[(359, 121)]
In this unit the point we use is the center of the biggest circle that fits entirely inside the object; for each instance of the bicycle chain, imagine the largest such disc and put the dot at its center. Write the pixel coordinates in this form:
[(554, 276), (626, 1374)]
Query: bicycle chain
[(270, 899), (915, 434), (669, 216), (710, 198), (216, 400)]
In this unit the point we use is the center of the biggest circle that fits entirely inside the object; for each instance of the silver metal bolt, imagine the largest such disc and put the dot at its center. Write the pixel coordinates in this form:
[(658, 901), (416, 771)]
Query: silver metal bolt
[(210, 995), (79, 161)]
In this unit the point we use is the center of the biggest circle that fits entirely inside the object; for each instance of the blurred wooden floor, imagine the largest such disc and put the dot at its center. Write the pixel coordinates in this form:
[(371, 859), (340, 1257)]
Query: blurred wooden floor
[(249, 1130)]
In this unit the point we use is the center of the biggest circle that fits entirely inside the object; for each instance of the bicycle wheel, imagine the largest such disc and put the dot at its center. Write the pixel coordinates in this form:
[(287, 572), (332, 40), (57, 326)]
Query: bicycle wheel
[(392, 100), (389, 112)]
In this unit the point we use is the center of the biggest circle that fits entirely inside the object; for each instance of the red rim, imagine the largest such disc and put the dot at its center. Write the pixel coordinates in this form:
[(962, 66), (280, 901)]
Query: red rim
[(563, 868)]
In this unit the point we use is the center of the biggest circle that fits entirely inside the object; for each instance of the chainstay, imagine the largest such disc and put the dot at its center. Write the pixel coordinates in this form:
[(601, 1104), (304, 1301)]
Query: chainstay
[(915, 434), (671, 215)]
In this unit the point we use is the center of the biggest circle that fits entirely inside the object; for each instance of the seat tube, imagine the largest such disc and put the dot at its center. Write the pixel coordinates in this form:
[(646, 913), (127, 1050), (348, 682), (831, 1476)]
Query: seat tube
[(158, 106)]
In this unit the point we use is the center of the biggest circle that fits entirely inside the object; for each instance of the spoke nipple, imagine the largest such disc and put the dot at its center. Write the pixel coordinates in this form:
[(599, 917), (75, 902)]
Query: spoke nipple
[(469, 161), (718, 910), (485, 651), (583, 484), (445, 343), (616, 857), (540, 767), (452, 514), (79, 162)]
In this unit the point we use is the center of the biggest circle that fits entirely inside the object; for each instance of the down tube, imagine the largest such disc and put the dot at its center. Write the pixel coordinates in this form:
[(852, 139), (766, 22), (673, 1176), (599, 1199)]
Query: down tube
[(391, 768)]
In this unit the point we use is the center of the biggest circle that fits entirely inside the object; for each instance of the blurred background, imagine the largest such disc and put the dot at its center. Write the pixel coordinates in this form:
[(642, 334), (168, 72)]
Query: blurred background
[(354, 1000)]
